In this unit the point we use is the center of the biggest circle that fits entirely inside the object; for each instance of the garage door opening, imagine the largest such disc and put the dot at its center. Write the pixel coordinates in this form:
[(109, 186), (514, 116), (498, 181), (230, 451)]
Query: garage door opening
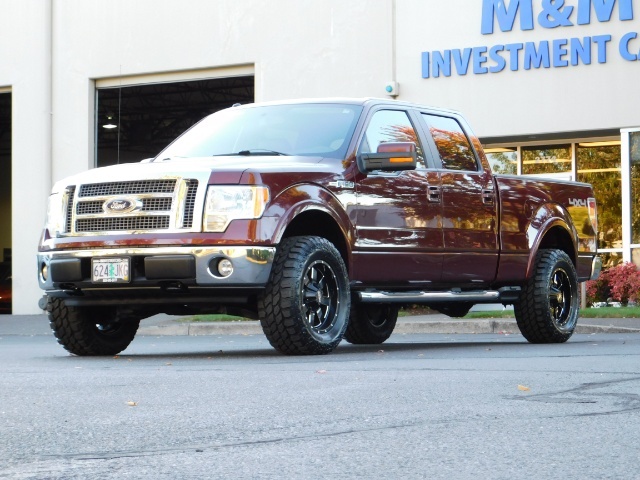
[(5, 202), (137, 122)]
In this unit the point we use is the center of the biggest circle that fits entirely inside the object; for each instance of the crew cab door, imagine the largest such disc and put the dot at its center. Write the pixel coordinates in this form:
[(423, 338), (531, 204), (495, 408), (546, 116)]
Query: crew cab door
[(398, 225), (469, 203)]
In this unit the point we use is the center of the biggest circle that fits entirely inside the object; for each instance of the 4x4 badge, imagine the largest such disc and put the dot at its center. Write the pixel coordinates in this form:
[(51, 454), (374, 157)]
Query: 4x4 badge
[(342, 184)]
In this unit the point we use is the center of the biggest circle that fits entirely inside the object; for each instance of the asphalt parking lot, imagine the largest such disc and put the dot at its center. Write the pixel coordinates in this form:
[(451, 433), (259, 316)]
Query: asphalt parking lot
[(442, 406), (426, 324)]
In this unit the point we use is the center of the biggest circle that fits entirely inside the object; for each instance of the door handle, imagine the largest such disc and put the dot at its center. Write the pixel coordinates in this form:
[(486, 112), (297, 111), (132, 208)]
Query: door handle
[(488, 197), (433, 194)]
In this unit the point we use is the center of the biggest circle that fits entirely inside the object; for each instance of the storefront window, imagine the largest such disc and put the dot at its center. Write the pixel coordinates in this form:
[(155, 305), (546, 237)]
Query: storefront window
[(634, 158), (550, 159), (600, 166), (610, 259), (503, 160)]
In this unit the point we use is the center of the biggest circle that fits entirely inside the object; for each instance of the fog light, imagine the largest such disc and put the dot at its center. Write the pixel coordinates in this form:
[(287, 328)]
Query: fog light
[(225, 267), (44, 272)]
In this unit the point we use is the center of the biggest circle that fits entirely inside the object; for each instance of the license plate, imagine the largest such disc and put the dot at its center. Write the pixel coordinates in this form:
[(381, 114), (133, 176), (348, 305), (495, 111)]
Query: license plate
[(110, 270)]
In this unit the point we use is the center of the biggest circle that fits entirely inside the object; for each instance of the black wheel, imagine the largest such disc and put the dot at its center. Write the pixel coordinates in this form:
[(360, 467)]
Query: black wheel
[(455, 310), (370, 323), (90, 331), (304, 309), (548, 309)]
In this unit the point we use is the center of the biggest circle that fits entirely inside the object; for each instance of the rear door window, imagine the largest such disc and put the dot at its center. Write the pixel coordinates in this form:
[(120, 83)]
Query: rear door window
[(452, 143)]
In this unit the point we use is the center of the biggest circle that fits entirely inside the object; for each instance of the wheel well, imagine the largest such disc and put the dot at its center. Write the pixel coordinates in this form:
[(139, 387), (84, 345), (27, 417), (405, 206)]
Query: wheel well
[(319, 224), (559, 238)]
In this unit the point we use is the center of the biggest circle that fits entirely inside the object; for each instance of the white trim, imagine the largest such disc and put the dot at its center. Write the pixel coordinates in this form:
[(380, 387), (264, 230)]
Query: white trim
[(625, 165), (543, 143), (177, 76)]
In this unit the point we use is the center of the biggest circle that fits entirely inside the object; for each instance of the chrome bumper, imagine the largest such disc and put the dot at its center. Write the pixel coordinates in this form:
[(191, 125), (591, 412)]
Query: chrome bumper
[(251, 265)]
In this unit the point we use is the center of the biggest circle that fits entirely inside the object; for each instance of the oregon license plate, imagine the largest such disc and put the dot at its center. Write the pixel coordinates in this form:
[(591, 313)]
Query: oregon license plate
[(110, 270)]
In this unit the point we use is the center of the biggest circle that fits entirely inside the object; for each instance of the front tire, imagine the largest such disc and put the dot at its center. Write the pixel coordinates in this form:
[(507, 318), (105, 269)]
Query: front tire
[(549, 304), (371, 324), (304, 309), (86, 331)]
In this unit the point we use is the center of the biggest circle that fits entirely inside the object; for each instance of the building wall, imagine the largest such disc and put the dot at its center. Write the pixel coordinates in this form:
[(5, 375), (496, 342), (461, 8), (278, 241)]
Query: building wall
[(25, 69), (296, 48), (536, 101)]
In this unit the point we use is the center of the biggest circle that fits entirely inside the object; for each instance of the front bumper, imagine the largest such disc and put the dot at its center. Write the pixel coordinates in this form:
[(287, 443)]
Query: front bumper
[(157, 267)]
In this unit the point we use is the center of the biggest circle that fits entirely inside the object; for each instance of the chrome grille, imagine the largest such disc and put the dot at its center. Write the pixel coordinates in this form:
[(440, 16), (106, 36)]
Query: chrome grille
[(135, 187), (113, 224), (166, 204)]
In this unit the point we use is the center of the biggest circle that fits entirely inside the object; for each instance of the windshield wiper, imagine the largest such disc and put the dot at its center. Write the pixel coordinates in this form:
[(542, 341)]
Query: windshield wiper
[(260, 151)]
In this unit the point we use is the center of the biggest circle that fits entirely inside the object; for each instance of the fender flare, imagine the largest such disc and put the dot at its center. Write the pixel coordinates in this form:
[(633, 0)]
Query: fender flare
[(302, 198), (547, 217)]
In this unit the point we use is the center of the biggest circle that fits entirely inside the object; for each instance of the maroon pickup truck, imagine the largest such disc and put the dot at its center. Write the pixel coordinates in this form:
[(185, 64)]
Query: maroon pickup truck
[(320, 218)]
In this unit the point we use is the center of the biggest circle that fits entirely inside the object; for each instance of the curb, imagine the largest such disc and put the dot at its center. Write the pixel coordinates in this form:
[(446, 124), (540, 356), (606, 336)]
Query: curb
[(405, 326)]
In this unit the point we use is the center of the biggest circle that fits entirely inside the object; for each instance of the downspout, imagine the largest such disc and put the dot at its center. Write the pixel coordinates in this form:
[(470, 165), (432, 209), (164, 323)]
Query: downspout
[(393, 41), (49, 164)]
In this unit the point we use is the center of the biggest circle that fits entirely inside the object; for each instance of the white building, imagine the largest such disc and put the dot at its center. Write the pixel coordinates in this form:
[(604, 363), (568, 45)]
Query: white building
[(548, 87)]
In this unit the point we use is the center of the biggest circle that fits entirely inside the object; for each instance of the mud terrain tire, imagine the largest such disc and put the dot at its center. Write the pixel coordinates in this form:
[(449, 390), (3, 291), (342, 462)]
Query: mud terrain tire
[(549, 302), (371, 324), (86, 331), (304, 309)]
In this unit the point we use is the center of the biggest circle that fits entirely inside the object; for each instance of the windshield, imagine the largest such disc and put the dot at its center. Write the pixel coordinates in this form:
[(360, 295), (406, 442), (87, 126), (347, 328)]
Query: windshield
[(301, 129)]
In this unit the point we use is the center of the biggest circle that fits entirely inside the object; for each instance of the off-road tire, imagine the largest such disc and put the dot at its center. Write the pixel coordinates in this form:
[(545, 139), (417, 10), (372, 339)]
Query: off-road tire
[(86, 331), (304, 309), (454, 310), (371, 324), (549, 304)]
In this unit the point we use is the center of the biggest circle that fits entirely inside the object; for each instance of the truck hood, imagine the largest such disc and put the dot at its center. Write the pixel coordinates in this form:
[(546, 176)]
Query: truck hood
[(228, 169)]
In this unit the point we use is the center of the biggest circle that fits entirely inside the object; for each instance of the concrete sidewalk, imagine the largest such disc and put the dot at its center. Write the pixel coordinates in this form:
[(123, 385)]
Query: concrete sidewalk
[(169, 325)]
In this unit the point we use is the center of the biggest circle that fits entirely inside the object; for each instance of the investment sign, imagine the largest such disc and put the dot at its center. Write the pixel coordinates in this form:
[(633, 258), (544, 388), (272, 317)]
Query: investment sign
[(572, 50)]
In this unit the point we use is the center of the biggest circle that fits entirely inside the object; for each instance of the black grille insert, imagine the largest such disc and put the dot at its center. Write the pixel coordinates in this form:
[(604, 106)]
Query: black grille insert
[(133, 187), (113, 224), (189, 203)]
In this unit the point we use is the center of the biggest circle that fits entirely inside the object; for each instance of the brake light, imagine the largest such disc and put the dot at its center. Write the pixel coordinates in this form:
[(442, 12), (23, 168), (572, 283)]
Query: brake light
[(593, 213)]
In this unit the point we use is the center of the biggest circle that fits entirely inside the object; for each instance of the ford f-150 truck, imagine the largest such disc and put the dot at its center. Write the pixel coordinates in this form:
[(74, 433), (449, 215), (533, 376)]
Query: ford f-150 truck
[(321, 219)]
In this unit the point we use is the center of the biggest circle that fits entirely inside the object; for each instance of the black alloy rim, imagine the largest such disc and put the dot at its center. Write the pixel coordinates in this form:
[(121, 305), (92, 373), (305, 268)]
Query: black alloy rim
[(320, 296), (377, 316), (560, 296)]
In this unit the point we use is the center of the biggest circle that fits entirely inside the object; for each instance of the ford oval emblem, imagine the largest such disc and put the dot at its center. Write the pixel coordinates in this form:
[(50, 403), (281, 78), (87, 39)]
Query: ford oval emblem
[(120, 205)]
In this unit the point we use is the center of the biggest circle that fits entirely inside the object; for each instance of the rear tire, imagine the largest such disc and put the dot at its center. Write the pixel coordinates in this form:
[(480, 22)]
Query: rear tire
[(87, 331), (549, 304), (371, 324), (304, 309)]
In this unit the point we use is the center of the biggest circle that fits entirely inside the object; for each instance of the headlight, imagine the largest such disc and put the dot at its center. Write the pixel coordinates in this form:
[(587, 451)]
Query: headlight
[(55, 214), (227, 203)]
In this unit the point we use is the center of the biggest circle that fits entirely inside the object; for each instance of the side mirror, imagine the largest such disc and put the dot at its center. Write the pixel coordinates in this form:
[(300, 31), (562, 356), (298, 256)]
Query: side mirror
[(390, 157)]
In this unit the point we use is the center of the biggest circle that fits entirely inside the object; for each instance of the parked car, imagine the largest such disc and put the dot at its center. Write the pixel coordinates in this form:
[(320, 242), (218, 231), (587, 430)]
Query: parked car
[(5, 288)]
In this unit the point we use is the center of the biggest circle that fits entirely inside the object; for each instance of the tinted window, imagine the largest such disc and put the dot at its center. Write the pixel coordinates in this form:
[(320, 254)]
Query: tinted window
[(452, 143), (390, 126)]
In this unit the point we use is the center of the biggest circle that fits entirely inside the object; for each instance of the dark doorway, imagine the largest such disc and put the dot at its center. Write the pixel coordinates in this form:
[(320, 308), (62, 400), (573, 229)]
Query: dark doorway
[(5, 203), (137, 122)]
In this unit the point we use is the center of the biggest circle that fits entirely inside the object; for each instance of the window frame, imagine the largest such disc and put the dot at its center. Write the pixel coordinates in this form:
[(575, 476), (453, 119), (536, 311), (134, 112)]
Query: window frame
[(429, 162), (424, 114)]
